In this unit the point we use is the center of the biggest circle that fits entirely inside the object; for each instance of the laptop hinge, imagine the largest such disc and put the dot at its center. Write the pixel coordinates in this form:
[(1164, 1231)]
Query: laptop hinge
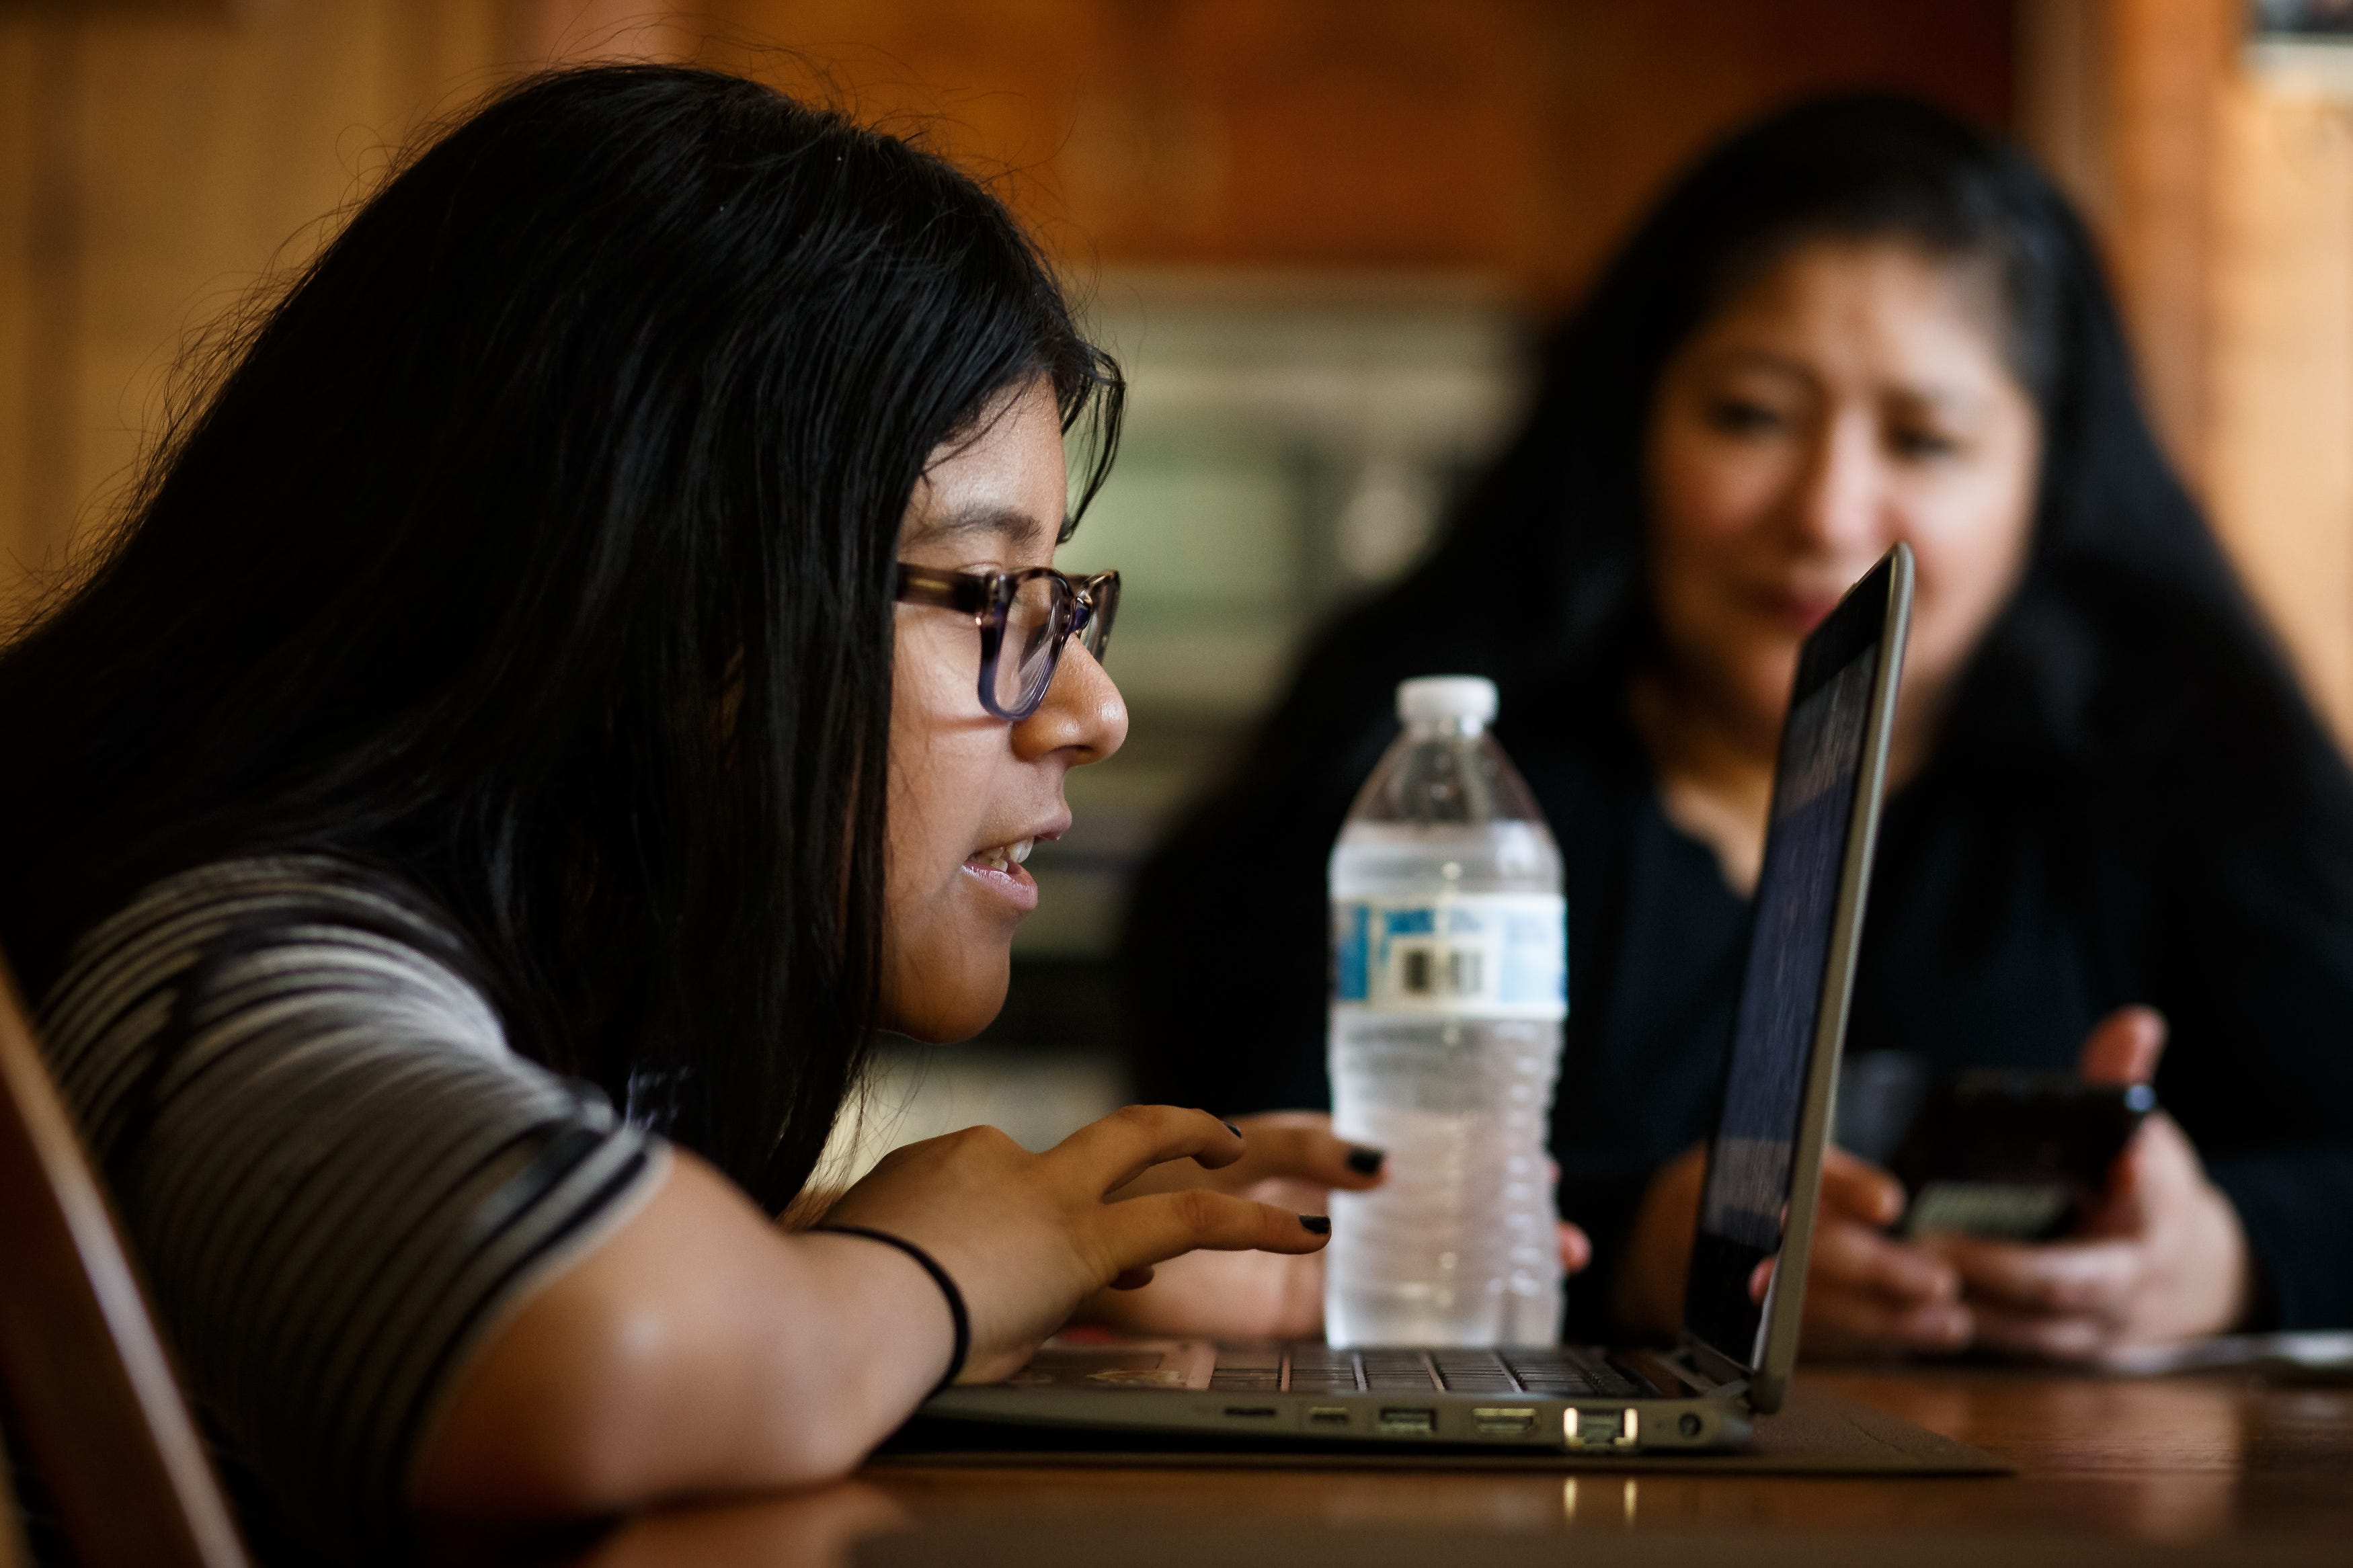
[(1668, 1371), (1712, 1364)]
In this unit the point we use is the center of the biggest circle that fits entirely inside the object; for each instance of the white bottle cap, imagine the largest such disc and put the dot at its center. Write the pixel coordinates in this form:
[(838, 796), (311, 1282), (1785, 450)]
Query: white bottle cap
[(1429, 697)]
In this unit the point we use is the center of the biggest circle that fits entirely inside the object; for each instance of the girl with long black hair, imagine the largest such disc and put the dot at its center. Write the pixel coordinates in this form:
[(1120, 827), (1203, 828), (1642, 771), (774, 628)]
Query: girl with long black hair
[(2115, 819), (591, 661)]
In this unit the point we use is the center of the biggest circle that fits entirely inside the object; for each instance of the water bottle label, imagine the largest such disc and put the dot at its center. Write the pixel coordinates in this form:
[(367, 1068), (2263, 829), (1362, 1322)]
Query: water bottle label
[(1498, 955)]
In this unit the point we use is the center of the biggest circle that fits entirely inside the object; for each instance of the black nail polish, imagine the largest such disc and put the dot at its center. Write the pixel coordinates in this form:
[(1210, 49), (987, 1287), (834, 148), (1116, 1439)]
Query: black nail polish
[(1367, 1161), (1232, 1128), (1316, 1224)]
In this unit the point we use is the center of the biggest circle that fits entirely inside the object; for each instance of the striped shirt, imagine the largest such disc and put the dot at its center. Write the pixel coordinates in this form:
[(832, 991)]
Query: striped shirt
[(336, 1173)]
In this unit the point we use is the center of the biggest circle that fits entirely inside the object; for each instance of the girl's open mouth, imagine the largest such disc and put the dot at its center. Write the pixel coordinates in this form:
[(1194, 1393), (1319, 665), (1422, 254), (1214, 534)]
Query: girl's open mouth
[(999, 866)]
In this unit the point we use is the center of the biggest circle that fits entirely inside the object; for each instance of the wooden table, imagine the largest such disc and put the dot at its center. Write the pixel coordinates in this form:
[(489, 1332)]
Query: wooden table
[(2205, 1463)]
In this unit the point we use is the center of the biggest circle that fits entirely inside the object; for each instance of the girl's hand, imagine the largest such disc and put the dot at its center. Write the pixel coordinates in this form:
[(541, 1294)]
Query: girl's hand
[(2160, 1259), (1028, 1237), (1292, 1160)]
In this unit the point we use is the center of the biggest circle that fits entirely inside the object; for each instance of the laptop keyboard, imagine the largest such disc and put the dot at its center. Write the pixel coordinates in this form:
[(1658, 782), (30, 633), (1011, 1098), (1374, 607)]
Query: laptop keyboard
[(1574, 1370)]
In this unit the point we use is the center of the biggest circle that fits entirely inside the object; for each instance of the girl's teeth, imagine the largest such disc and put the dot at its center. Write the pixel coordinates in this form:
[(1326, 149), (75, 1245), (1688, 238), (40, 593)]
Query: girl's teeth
[(1003, 856)]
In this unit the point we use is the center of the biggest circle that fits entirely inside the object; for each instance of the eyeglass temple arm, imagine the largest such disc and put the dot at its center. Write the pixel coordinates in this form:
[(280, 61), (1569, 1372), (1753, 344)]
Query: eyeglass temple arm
[(948, 590), (1098, 599)]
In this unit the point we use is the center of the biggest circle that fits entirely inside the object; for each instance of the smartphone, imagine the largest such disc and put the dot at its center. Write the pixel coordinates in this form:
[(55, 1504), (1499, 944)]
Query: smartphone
[(2013, 1154)]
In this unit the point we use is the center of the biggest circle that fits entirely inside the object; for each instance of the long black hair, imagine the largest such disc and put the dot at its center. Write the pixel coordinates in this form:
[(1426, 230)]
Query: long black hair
[(537, 549), (2129, 646)]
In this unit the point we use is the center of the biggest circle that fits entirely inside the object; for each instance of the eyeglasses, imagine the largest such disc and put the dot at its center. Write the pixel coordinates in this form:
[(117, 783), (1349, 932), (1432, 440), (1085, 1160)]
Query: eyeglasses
[(1026, 614)]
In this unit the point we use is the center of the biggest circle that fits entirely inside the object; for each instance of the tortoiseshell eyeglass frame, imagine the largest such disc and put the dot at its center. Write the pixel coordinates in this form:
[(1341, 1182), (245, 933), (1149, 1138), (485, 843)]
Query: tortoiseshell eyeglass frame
[(1083, 605)]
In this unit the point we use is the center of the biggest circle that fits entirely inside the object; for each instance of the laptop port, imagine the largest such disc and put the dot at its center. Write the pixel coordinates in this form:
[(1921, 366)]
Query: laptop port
[(1327, 1416), (1620, 1428), (1253, 1410), (1396, 1420), (1499, 1422)]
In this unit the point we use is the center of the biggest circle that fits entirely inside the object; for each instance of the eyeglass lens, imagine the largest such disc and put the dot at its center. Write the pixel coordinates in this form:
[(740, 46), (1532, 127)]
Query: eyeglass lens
[(1035, 623)]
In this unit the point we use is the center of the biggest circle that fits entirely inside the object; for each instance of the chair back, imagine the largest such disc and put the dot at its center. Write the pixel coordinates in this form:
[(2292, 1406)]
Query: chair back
[(97, 1406)]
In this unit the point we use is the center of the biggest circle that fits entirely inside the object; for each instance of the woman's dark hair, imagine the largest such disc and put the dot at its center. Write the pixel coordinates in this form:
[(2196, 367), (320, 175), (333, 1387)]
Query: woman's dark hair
[(537, 549), (2128, 638)]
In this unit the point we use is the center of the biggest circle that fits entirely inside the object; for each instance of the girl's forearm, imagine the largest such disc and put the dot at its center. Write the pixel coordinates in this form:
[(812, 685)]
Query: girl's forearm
[(697, 1348)]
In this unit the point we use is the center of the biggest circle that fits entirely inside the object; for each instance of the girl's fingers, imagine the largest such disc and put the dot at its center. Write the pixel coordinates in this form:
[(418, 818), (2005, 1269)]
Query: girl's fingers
[(1296, 1148), (1143, 1231), (1222, 1296), (1302, 1149), (1132, 1139)]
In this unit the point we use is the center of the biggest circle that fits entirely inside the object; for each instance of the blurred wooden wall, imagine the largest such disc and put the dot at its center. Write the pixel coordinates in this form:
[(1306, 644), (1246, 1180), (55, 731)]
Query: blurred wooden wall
[(2224, 197), (158, 157), (1511, 136)]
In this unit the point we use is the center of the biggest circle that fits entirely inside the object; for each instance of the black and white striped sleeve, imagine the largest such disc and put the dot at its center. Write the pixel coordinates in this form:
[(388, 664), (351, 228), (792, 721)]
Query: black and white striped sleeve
[(336, 1173)]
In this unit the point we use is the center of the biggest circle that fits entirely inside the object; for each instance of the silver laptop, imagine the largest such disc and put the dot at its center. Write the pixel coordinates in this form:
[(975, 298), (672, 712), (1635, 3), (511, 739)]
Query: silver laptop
[(1765, 1162)]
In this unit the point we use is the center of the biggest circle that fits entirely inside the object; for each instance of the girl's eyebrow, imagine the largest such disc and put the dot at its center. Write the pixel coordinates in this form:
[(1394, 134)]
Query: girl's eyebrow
[(1010, 526)]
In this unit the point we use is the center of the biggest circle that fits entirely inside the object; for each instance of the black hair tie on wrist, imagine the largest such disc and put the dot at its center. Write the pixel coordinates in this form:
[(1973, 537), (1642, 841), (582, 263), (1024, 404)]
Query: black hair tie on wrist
[(956, 1314)]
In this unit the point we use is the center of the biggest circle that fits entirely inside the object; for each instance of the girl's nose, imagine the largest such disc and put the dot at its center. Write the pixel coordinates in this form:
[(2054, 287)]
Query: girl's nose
[(1083, 713)]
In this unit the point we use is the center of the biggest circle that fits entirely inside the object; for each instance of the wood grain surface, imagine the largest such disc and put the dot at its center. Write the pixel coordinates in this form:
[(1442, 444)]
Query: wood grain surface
[(2207, 1468)]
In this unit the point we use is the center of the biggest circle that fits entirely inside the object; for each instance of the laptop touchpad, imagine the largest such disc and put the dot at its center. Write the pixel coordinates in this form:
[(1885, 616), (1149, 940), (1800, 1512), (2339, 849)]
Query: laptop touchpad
[(1157, 1364)]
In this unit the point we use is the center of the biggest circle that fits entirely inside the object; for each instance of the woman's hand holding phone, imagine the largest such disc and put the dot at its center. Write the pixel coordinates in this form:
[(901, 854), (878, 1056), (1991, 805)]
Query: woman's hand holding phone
[(1866, 1291), (1028, 1237), (2159, 1258)]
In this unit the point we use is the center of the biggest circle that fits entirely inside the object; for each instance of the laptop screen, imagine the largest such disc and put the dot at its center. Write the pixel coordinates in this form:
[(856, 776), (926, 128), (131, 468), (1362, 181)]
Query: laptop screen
[(1744, 1203)]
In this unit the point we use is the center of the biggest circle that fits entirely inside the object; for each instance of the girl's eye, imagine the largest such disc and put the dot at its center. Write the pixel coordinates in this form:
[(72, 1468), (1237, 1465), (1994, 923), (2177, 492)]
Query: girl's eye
[(1744, 417)]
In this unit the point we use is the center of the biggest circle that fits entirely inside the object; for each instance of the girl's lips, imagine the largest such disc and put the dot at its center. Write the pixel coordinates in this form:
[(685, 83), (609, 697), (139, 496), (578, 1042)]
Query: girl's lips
[(1011, 882)]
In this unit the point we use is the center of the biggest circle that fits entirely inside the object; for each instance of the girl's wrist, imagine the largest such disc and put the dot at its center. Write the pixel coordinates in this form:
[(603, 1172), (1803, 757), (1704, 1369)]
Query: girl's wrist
[(950, 1294)]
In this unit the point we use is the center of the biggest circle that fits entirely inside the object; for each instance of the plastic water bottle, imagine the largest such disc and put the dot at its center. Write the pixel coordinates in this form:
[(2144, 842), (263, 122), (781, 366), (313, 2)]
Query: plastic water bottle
[(1449, 986)]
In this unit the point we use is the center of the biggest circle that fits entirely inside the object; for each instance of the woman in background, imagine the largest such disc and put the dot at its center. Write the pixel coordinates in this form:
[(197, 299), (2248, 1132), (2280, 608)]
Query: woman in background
[(596, 647), (2118, 841)]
